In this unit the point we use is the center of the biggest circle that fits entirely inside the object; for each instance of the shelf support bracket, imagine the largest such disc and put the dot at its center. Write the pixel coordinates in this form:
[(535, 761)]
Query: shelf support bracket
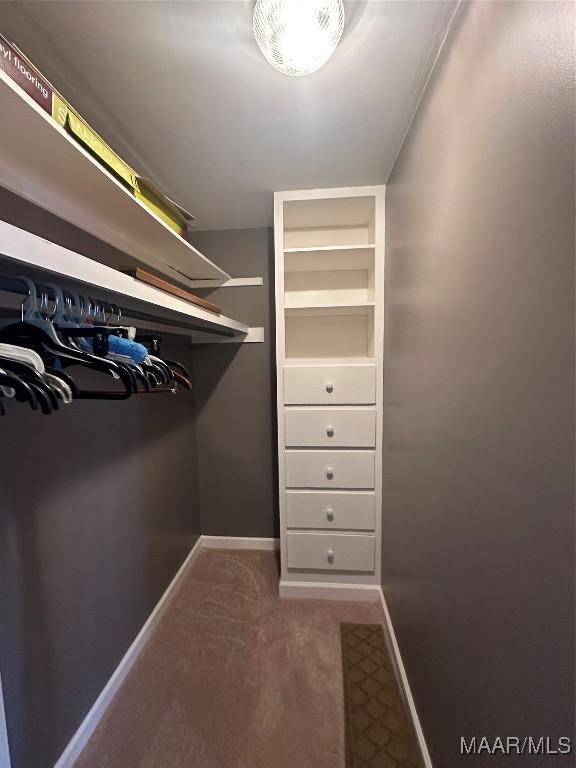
[(233, 282), (254, 336)]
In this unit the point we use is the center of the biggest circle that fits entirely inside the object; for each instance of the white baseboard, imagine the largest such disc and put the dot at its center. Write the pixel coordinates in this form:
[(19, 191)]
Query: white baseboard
[(90, 722), (296, 589), (239, 542), (4, 751), (68, 758), (405, 683), (326, 591)]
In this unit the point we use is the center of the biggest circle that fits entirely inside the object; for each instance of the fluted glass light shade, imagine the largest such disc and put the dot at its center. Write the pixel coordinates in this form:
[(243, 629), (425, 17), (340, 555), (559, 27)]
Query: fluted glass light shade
[(298, 36)]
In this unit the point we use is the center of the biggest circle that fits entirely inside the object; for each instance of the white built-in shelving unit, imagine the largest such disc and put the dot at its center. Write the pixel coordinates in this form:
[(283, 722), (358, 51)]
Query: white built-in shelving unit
[(330, 319)]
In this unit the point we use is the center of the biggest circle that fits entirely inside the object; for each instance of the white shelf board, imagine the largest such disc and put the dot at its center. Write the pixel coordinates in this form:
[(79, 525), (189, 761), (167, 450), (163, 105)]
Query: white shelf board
[(318, 310), (28, 250), (323, 258), (324, 248), (42, 163), (315, 362)]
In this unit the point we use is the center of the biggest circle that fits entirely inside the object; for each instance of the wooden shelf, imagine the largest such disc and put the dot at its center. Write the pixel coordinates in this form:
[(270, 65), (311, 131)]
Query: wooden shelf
[(160, 310), (40, 162)]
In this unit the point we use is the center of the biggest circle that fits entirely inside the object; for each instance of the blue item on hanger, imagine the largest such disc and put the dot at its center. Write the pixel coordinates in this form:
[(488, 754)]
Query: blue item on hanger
[(119, 346)]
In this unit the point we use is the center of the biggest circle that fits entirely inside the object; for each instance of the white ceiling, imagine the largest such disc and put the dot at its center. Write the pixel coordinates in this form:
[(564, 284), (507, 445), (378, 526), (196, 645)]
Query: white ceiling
[(181, 90)]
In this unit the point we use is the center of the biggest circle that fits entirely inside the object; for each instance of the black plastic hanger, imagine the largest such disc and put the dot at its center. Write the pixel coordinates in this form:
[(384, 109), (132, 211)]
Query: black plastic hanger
[(22, 391), (31, 376), (28, 335)]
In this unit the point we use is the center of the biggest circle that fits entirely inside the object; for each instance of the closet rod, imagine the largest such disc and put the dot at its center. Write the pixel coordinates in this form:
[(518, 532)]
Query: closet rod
[(14, 285)]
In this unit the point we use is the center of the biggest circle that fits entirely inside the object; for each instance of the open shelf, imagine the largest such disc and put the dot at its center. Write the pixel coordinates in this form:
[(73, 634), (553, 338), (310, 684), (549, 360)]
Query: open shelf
[(40, 162), (329, 285), (321, 212), (335, 258), (330, 332), (21, 249), (338, 287), (329, 223)]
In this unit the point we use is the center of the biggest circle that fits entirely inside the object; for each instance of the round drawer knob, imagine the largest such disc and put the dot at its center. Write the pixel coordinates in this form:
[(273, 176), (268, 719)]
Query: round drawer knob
[(330, 515), (330, 430), (329, 473), (330, 556), (329, 387)]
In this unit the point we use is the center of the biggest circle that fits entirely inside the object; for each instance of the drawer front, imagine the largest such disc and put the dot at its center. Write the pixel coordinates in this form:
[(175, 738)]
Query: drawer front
[(351, 511), (330, 384), (330, 469), (330, 427), (330, 551)]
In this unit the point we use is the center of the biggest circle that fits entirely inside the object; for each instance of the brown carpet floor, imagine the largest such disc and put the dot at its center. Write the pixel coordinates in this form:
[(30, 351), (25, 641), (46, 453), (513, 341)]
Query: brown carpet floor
[(233, 677)]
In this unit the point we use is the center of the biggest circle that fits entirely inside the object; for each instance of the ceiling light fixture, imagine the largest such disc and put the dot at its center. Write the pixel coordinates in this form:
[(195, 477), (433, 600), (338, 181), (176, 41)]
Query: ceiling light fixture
[(298, 36)]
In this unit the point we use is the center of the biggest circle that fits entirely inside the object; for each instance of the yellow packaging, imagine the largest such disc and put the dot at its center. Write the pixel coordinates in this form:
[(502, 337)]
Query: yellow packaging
[(72, 123), (143, 189), (176, 217), (12, 62), (152, 203)]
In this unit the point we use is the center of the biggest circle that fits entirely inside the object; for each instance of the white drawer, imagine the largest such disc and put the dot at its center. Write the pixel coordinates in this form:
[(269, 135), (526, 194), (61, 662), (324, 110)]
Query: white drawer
[(330, 384), (330, 551), (309, 509), (330, 469), (331, 427)]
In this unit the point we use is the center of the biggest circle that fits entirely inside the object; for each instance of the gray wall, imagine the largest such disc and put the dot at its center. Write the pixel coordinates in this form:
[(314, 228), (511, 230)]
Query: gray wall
[(478, 550), (235, 396), (98, 509)]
